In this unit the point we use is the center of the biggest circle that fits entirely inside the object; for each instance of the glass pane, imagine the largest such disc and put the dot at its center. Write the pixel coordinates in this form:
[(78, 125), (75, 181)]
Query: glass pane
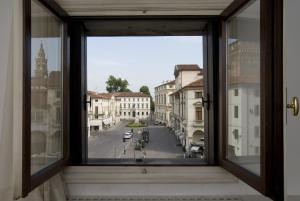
[(46, 88), (243, 88)]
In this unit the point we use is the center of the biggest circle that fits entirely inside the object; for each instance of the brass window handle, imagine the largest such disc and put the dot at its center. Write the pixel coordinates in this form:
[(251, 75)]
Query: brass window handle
[(294, 105)]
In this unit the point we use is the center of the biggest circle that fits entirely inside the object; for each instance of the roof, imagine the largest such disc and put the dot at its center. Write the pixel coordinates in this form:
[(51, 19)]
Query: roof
[(131, 94), (116, 94), (167, 83), (193, 85), (186, 67), (196, 84), (99, 95), (246, 70)]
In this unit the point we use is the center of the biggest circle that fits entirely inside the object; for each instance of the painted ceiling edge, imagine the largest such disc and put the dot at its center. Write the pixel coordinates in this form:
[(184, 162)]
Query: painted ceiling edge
[(199, 8)]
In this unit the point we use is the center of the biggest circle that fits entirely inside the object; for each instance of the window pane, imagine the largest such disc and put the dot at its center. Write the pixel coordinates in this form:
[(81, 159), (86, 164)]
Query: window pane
[(46, 88), (243, 86)]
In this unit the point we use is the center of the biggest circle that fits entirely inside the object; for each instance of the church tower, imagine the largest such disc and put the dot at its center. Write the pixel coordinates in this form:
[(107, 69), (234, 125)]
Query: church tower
[(41, 70)]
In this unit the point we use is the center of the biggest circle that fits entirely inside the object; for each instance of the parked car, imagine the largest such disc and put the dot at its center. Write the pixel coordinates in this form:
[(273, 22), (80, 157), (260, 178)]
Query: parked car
[(139, 145), (195, 151), (156, 123), (127, 135), (145, 135)]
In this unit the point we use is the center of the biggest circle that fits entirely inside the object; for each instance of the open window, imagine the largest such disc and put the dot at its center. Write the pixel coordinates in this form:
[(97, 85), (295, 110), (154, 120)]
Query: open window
[(115, 121), (45, 95), (241, 69), (248, 71)]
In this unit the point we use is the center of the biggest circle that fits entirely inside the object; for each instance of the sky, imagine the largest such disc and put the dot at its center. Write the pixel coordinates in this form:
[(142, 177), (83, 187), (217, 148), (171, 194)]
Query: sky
[(140, 60)]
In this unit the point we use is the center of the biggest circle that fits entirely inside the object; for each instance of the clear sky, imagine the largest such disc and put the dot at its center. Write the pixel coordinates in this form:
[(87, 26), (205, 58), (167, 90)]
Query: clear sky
[(141, 60)]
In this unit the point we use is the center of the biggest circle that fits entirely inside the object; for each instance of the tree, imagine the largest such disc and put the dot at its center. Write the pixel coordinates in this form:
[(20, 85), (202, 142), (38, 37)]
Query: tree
[(145, 89), (114, 84)]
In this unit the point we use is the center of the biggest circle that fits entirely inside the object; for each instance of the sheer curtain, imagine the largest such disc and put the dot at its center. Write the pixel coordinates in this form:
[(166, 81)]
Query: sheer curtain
[(11, 64)]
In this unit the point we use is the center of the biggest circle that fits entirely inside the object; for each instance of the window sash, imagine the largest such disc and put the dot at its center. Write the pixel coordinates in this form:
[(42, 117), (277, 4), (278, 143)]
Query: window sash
[(30, 181)]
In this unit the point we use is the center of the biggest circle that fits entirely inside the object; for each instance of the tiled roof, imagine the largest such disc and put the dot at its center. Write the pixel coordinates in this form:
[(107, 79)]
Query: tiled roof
[(116, 94), (99, 95), (246, 70), (131, 94), (197, 83), (186, 67)]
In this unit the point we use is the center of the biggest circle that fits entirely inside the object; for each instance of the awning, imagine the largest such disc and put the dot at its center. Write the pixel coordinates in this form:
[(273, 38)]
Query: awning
[(107, 121)]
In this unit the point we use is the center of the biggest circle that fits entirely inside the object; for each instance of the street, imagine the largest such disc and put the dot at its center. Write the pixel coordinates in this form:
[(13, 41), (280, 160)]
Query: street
[(109, 144)]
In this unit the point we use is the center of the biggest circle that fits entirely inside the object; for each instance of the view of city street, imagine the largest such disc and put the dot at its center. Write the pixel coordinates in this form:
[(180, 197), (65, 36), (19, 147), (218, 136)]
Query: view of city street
[(109, 143), (139, 107)]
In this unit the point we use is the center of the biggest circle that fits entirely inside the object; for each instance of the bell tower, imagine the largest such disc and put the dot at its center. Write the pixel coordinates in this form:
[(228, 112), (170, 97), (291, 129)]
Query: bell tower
[(41, 70)]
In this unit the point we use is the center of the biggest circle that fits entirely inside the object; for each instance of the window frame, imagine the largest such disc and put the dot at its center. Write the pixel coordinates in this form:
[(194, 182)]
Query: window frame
[(270, 182), (78, 156), (31, 181), (271, 19)]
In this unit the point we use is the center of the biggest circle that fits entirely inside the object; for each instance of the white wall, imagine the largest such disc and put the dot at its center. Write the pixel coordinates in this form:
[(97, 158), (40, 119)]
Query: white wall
[(291, 47), (142, 101)]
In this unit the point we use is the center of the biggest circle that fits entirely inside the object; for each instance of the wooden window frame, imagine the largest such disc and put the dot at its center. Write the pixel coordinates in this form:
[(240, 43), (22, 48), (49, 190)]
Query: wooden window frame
[(270, 182), (29, 182), (214, 56)]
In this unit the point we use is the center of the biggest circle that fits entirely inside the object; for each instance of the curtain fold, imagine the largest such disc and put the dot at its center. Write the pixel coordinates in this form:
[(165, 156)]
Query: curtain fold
[(11, 79)]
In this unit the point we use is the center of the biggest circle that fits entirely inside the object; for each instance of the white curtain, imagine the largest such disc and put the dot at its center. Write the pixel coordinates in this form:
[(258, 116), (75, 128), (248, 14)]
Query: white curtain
[(11, 39)]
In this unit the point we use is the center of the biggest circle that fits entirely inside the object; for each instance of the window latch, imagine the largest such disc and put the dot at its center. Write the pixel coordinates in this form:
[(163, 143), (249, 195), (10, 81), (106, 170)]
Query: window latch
[(85, 102), (206, 101)]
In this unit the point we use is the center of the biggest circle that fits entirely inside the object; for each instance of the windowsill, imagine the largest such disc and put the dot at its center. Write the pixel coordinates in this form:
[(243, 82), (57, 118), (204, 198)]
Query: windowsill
[(147, 175), (146, 162), (152, 181)]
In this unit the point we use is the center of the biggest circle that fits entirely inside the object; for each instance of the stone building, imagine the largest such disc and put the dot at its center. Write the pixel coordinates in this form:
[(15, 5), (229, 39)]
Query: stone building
[(46, 106), (187, 117), (103, 111), (133, 105), (107, 109), (243, 99), (163, 107)]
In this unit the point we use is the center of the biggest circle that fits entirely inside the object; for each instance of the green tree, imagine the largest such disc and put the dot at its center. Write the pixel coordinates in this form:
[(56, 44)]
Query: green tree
[(114, 84), (145, 89)]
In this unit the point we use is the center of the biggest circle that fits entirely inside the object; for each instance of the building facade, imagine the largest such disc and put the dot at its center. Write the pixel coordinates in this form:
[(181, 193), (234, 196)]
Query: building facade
[(187, 117), (243, 99), (107, 109), (46, 110), (133, 105), (103, 112), (163, 107)]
